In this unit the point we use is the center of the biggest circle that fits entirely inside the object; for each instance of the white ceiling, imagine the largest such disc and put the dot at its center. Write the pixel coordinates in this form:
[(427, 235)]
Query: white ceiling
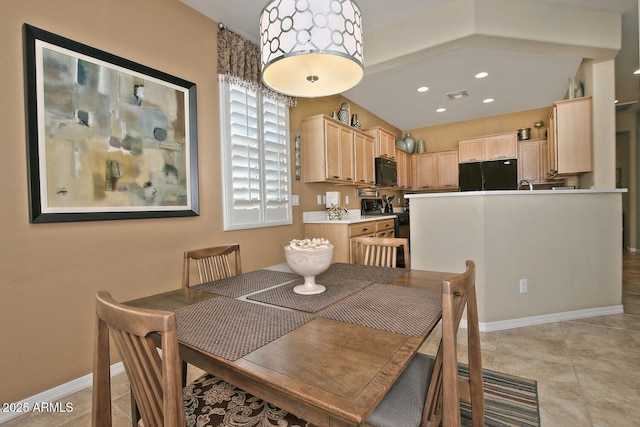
[(517, 80)]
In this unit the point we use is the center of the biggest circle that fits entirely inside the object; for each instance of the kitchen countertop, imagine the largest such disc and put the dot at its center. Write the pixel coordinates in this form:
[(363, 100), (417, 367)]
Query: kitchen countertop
[(320, 217), (514, 193)]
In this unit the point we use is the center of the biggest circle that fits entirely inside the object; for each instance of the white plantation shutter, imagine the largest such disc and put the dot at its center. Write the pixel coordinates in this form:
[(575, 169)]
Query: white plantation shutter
[(255, 159)]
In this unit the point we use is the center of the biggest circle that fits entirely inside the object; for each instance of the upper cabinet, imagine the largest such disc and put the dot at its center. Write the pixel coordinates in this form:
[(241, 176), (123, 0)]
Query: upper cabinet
[(570, 137), (327, 150), (330, 149), (403, 160), (533, 160), (365, 173), (384, 142), (435, 171), (490, 147), (472, 149)]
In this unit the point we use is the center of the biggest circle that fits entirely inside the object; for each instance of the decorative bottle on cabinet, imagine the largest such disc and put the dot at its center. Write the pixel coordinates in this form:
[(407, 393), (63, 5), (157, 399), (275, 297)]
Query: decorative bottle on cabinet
[(410, 143)]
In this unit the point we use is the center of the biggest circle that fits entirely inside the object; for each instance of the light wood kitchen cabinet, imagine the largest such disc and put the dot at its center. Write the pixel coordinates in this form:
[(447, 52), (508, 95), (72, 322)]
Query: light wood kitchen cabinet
[(570, 137), (364, 162), (327, 150), (472, 150), (533, 160), (448, 169), (340, 234), (424, 169), (436, 170), (346, 160), (503, 146), (384, 142), (403, 162), (383, 228), (489, 147)]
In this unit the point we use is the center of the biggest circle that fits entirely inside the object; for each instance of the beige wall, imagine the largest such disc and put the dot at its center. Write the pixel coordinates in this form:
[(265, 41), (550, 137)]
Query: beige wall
[(445, 137)]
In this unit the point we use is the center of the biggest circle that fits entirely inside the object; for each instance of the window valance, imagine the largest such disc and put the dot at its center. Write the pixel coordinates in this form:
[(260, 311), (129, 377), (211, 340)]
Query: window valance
[(239, 63)]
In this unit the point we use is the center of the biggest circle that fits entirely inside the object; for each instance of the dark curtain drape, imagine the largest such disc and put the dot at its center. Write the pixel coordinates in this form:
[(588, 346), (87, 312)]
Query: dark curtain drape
[(239, 63)]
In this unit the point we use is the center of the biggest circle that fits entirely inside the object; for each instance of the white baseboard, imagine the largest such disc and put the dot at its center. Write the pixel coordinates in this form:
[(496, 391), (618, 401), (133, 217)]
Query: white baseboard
[(546, 318), (58, 392)]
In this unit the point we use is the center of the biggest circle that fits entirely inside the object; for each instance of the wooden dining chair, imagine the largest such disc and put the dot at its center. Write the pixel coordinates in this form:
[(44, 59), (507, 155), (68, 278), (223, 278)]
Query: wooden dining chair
[(155, 380), (213, 263), (430, 389), (381, 251)]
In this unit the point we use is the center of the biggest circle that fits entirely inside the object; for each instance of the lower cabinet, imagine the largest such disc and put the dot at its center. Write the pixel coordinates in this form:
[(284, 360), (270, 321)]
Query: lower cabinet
[(340, 235)]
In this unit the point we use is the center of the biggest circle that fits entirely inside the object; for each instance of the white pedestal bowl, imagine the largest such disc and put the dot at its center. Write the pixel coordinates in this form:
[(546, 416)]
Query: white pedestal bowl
[(309, 263)]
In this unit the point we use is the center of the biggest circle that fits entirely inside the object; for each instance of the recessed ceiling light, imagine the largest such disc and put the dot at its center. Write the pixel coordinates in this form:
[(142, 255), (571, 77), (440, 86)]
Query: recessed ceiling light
[(488, 100), (423, 89), (441, 110), (482, 75)]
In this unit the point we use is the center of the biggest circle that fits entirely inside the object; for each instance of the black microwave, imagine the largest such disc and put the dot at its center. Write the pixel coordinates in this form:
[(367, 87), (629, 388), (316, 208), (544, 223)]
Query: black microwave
[(386, 173)]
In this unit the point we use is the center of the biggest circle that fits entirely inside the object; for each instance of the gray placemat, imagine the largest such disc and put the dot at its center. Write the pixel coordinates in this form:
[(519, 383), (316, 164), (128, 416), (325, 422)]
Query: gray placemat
[(231, 328), (369, 273), (234, 287), (407, 311), (284, 296)]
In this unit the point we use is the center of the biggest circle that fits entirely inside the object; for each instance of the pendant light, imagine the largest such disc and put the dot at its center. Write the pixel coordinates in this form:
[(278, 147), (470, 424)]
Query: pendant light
[(311, 48)]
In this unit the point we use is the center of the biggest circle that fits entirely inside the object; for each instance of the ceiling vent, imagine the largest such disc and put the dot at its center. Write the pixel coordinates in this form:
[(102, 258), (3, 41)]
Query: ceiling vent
[(459, 94)]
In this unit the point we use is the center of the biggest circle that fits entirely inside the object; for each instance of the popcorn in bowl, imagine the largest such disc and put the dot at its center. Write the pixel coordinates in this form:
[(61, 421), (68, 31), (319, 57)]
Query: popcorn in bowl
[(315, 243), (308, 258)]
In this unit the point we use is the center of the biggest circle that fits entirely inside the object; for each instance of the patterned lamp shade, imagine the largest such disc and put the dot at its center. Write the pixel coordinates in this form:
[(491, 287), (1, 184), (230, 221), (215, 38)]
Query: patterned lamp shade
[(311, 48)]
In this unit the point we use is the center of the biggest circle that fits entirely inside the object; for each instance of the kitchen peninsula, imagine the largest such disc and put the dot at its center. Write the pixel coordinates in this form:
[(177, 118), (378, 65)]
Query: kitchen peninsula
[(541, 256)]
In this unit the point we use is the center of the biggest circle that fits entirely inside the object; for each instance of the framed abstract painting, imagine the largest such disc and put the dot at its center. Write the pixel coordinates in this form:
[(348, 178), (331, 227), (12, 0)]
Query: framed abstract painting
[(107, 138)]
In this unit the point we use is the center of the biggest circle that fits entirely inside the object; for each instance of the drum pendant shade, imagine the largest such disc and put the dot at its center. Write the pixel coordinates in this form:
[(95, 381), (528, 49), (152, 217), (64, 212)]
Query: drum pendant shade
[(311, 48)]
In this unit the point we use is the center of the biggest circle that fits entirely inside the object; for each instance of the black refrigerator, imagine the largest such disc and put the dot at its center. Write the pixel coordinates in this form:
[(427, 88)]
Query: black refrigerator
[(491, 175)]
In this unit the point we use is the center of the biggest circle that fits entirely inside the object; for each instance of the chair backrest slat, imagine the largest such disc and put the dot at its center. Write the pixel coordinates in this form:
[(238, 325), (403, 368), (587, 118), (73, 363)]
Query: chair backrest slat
[(447, 387), (380, 251), (213, 263), (155, 381)]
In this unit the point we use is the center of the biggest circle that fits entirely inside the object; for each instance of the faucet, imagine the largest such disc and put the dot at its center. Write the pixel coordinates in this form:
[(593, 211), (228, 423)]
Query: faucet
[(525, 181)]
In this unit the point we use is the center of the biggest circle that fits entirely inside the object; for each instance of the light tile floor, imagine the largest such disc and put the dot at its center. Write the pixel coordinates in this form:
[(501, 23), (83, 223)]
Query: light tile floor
[(587, 370)]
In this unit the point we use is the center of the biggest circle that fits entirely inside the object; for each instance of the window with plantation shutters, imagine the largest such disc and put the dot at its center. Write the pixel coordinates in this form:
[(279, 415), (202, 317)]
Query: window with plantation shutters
[(255, 158)]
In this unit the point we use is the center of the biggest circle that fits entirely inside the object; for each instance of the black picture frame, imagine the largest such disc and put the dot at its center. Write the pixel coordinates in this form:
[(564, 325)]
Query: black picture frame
[(107, 138)]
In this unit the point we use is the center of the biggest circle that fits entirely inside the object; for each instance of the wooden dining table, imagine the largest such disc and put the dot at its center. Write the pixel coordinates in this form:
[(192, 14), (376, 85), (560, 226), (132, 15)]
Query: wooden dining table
[(329, 359)]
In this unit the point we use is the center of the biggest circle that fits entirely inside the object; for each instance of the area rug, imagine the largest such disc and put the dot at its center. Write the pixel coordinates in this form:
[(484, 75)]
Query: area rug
[(509, 401)]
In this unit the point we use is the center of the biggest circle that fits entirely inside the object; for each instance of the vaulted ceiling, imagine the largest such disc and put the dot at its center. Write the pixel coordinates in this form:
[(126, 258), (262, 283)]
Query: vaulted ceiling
[(528, 49)]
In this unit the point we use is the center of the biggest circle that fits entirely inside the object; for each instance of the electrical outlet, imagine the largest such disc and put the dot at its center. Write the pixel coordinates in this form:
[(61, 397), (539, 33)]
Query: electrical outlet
[(524, 284), (295, 200), (319, 199), (346, 200)]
